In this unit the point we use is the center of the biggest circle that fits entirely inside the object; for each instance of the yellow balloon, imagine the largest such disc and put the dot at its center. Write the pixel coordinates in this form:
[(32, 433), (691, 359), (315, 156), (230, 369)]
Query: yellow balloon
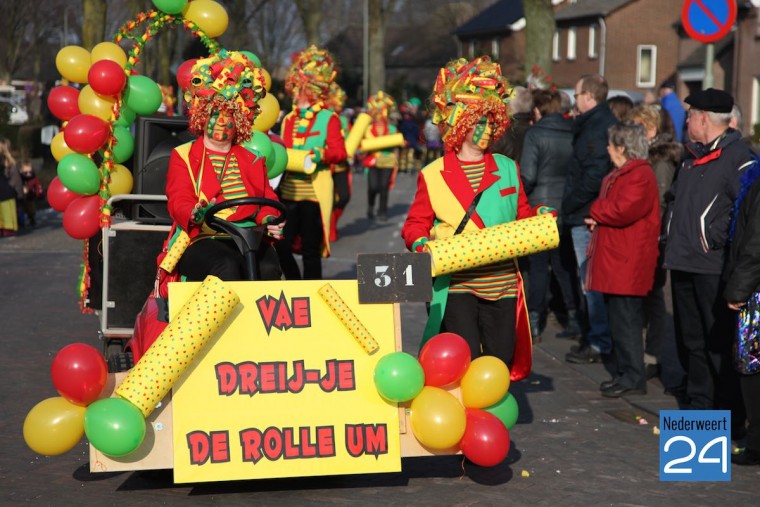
[(54, 426), (485, 382), (109, 51), (267, 79), (59, 148), (270, 112), (121, 180), (97, 105), (73, 62), (438, 419), (209, 15)]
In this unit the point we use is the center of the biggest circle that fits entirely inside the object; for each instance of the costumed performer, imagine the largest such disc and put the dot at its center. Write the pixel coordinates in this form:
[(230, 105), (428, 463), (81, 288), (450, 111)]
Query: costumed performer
[(308, 198), (382, 165), (341, 174), (223, 100), (468, 189)]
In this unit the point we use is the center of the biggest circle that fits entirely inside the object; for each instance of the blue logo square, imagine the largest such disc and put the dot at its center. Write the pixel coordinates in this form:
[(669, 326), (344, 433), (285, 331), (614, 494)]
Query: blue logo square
[(695, 445)]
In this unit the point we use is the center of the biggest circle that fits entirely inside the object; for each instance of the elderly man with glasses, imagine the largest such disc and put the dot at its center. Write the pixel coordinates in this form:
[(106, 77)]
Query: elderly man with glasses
[(697, 228)]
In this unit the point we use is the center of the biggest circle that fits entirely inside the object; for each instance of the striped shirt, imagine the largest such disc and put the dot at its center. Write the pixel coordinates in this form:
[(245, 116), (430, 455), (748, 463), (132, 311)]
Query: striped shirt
[(297, 186), (492, 282)]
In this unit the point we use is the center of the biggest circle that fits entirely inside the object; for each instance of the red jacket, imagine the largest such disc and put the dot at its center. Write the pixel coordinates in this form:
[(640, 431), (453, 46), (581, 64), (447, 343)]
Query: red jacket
[(182, 194), (623, 251)]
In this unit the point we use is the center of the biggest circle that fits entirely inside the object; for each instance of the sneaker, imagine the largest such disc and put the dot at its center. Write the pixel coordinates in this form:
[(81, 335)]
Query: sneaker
[(583, 355), (608, 383), (616, 391)]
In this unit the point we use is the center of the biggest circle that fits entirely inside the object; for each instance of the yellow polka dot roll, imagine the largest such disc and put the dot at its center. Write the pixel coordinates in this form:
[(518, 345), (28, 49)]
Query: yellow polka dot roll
[(178, 345), (175, 252), (493, 244), (347, 317)]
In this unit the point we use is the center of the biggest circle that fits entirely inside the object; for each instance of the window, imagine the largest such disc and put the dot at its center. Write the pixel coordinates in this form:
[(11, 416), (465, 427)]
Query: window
[(646, 66), (495, 49), (592, 50), (555, 46), (571, 38)]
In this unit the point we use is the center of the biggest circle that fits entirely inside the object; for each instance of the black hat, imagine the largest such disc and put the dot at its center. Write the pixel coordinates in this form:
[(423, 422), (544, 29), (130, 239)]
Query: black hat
[(668, 84), (712, 100)]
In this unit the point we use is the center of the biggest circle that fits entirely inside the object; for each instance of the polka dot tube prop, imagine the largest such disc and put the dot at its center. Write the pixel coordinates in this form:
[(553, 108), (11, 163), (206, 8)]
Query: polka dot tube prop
[(493, 244), (178, 345), (351, 322)]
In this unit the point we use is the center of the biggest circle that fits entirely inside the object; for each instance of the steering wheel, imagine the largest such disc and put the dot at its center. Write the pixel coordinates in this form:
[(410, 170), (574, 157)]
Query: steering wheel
[(247, 239)]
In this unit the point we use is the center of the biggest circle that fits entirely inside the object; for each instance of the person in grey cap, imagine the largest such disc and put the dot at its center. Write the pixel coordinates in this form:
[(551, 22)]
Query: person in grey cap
[(696, 228)]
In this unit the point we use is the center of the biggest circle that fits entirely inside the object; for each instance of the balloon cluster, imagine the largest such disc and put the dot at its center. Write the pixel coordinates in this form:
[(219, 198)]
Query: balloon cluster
[(97, 116), (478, 425), (55, 425)]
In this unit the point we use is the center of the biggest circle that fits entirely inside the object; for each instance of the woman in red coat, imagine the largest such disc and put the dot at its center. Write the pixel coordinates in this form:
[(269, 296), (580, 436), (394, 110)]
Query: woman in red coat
[(625, 221)]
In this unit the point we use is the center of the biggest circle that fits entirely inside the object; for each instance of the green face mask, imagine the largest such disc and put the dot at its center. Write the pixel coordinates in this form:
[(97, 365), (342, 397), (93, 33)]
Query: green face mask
[(220, 127), (480, 129)]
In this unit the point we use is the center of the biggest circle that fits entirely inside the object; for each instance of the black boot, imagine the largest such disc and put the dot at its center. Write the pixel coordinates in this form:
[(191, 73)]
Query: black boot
[(573, 329)]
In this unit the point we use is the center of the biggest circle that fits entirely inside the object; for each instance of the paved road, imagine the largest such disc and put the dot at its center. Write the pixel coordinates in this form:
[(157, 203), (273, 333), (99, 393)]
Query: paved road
[(571, 447)]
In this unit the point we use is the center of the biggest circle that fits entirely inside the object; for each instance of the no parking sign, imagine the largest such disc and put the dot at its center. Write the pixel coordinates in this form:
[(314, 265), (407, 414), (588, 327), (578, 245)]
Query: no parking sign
[(708, 20)]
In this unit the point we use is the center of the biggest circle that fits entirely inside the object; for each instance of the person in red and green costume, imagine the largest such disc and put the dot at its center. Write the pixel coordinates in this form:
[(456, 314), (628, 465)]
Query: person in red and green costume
[(483, 305), (222, 98), (341, 172), (310, 126)]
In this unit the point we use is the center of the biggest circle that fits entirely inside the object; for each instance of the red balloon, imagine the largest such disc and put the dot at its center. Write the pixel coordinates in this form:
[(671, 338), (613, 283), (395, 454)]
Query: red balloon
[(63, 102), (79, 373), (183, 73), (276, 139), (81, 220), (106, 77), (486, 439), (445, 359), (58, 196), (86, 133)]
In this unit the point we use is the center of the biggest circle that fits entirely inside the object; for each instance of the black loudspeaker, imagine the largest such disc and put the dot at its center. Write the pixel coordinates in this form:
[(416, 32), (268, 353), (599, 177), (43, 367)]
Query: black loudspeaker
[(155, 138)]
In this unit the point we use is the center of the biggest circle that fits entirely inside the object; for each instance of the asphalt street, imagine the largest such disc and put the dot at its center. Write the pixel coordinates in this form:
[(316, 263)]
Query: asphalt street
[(571, 446)]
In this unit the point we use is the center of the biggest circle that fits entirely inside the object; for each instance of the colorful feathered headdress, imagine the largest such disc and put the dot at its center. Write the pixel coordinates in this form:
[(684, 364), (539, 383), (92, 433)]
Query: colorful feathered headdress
[(336, 99), (465, 92), (311, 72), (381, 103), (226, 81)]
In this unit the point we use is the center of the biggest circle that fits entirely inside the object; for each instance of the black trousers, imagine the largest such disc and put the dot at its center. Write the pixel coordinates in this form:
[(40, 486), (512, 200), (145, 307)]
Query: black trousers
[(379, 185), (562, 263), (342, 189), (487, 326), (221, 258), (626, 318), (304, 220), (704, 334)]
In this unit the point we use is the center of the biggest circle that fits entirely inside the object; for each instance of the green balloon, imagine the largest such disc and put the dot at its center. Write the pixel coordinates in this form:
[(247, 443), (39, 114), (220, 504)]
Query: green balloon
[(126, 117), (252, 57), (259, 144), (143, 95), (399, 376), (280, 161), (170, 6), (79, 174), (124, 145), (506, 410), (114, 426)]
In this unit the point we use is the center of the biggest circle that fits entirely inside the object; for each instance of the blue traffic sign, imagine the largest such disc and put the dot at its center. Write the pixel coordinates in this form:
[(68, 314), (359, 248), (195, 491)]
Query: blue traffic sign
[(708, 20)]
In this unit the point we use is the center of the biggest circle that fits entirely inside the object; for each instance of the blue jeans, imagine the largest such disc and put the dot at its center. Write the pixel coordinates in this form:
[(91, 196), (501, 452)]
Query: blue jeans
[(598, 336)]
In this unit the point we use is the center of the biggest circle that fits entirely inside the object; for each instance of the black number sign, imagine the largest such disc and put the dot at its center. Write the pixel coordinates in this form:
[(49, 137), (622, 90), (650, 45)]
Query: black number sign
[(394, 278)]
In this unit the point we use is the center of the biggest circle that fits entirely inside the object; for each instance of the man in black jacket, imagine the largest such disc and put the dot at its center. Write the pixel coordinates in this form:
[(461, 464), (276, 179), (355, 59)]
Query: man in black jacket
[(547, 151), (697, 226), (589, 165)]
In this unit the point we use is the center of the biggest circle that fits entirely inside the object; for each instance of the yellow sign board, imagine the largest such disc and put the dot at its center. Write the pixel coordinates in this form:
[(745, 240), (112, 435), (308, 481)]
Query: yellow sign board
[(284, 389)]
